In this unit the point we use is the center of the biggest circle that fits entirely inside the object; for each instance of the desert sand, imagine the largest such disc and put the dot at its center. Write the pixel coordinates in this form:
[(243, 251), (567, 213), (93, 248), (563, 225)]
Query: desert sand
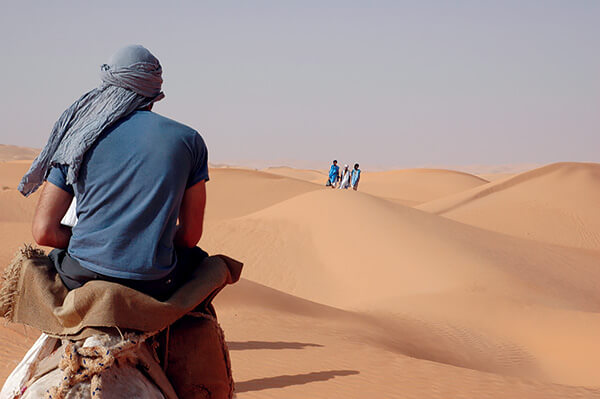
[(14, 153), (423, 284), (557, 203)]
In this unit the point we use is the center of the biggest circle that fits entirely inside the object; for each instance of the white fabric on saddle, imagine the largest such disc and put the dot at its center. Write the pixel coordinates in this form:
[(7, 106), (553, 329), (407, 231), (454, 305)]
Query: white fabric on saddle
[(119, 378), (21, 374), (136, 386)]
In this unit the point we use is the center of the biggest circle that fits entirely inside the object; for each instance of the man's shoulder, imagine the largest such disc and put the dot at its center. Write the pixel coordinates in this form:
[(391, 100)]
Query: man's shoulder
[(163, 122)]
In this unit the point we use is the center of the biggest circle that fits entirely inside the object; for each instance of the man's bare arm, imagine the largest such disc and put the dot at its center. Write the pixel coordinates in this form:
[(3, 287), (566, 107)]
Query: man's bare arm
[(191, 216), (51, 208)]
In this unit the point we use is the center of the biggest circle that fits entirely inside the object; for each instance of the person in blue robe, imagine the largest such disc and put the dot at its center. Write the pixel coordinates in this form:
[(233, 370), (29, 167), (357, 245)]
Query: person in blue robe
[(355, 178), (334, 174)]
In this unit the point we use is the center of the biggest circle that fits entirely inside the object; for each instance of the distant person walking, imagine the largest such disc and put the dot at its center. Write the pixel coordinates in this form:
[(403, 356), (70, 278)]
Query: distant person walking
[(355, 177), (334, 174), (345, 183)]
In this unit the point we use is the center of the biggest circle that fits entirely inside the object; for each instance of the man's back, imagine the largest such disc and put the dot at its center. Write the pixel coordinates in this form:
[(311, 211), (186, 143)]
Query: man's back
[(129, 193)]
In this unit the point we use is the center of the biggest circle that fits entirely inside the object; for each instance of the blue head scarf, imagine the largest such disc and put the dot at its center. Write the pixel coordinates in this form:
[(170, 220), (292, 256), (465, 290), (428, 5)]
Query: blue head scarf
[(131, 80)]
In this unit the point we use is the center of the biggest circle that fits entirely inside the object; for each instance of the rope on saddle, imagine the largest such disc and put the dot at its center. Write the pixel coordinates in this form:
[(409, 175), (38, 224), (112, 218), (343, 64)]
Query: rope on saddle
[(80, 364)]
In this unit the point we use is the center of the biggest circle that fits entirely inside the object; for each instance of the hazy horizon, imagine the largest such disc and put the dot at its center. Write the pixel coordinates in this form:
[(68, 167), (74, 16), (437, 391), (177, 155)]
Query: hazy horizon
[(399, 84)]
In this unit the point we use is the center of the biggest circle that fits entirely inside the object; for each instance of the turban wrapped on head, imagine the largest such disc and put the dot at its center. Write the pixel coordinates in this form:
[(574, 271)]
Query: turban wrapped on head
[(136, 69), (130, 81)]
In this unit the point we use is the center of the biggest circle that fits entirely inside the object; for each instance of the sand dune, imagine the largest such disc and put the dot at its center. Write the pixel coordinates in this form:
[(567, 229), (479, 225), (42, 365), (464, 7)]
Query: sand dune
[(15, 207), (344, 354), (353, 242), (415, 186), (557, 203), (495, 176), (13, 153), (16, 211), (313, 176), (237, 192), (350, 295), (11, 173), (434, 281)]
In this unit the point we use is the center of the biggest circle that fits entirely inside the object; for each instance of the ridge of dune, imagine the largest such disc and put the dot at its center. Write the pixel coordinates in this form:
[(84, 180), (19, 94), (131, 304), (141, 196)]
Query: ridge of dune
[(12, 152), (310, 175), (435, 171), (415, 186), (235, 192), (557, 203), (307, 234), (496, 176)]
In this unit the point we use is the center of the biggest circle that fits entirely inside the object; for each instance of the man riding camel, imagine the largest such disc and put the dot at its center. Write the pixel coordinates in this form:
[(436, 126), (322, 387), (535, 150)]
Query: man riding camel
[(138, 178)]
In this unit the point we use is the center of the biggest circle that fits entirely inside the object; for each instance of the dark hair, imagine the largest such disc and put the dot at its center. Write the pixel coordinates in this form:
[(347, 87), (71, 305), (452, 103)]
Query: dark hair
[(335, 160), (356, 166)]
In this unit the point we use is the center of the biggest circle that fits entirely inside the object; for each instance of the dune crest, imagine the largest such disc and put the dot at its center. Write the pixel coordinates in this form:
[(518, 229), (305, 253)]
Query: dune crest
[(317, 233), (415, 186), (235, 192), (557, 203), (313, 176)]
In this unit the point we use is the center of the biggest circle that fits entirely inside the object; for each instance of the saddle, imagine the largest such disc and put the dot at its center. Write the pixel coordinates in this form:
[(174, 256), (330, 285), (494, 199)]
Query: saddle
[(105, 340)]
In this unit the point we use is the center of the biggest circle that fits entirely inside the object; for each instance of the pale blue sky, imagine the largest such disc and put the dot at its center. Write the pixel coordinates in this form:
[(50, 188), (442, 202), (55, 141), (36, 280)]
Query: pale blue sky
[(385, 83)]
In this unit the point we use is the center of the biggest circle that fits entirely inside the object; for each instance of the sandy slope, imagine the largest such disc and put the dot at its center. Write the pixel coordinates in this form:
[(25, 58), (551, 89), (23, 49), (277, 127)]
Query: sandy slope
[(236, 192), (286, 347), (407, 186), (495, 176), (355, 242), (11, 173), (557, 203), (404, 264), (313, 176), (415, 186), (348, 295), (16, 211)]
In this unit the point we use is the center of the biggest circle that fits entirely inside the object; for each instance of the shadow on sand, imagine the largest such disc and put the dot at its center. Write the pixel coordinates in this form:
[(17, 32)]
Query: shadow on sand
[(283, 381), (242, 346)]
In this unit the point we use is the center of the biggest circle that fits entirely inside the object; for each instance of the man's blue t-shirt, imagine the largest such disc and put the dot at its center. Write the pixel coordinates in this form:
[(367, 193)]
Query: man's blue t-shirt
[(129, 191)]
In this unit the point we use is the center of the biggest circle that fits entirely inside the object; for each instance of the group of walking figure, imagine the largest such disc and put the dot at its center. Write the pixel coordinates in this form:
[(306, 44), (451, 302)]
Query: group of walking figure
[(343, 179)]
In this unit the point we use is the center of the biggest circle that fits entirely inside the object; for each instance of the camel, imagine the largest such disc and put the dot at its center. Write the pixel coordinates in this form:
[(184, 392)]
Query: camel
[(115, 342)]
